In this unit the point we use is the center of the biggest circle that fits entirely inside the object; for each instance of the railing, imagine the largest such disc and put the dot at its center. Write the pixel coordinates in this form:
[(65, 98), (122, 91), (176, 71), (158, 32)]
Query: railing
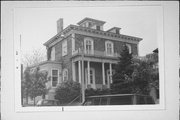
[(96, 53)]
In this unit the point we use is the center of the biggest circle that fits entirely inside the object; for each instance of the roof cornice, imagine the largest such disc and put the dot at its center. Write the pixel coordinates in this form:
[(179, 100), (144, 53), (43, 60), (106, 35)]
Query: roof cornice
[(94, 31)]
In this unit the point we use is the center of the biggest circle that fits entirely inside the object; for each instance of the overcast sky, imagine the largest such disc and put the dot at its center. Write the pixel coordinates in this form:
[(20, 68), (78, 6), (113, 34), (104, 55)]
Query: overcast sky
[(37, 25)]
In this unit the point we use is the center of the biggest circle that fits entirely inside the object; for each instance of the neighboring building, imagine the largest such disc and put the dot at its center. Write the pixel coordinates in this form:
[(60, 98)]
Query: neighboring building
[(101, 51)]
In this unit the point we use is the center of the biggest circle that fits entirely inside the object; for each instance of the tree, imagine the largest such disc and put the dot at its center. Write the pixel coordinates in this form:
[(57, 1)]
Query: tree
[(26, 84), (34, 83), (132, 75), (123, 74), (141, 77), (67, 91), (33, 58)]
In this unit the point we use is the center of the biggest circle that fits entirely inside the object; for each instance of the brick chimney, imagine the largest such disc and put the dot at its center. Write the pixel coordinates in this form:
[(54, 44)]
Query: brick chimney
[(60, 25)]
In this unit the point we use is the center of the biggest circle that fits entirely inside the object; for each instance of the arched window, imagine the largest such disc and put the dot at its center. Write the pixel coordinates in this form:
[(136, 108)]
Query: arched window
[(109, 48), (65, 74), (88, 46)]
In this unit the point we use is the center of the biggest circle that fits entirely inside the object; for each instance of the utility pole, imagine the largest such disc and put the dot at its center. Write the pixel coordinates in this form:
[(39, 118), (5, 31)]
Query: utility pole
[(82, 68), (83, 81)]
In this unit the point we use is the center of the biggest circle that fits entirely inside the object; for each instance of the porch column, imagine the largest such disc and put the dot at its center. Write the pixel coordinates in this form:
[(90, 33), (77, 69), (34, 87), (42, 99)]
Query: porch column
[(88, 72), (79, 70), (73, 71), (110, 77), (103, 73)]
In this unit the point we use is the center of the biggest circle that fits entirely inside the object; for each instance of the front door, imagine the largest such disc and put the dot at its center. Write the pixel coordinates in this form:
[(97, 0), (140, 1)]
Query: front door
[(90, 83), (109, 77)]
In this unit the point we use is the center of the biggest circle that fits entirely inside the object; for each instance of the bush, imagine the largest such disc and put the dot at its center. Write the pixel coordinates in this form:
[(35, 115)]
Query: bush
[(67, 91)]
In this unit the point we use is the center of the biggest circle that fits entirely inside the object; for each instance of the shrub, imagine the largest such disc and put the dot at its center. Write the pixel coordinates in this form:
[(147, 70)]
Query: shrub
[(67, 91)]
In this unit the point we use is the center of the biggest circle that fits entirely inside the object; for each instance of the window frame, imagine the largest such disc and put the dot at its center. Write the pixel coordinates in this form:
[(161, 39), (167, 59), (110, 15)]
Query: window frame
[(106, 48), (108, 76), (53, 54), (64, 48), (65, 70), (55, 76), (93, 76), (92, 46)]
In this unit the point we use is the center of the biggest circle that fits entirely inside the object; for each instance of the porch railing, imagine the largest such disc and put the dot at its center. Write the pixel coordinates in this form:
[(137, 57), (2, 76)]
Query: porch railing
[(96, 53)]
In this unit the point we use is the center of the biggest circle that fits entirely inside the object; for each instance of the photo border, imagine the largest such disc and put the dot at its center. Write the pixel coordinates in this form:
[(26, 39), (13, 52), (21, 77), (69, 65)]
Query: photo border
[(17, 56)]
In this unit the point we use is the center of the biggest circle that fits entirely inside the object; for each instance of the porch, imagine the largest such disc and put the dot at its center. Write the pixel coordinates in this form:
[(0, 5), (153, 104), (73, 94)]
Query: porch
[(97, 72)]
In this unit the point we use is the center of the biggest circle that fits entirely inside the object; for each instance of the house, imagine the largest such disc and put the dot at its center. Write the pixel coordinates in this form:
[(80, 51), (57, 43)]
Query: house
[(100, 48)]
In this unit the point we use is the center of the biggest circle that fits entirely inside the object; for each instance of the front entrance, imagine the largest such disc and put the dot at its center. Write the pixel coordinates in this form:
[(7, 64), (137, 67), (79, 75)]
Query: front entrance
[(109, 77), (91, 82)]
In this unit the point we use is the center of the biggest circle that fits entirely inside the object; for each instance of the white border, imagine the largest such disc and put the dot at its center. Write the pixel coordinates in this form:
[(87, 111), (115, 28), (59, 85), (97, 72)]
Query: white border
[(160, 106)]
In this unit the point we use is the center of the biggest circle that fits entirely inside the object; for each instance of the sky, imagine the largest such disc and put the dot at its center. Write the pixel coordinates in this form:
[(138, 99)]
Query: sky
[(38, 25)]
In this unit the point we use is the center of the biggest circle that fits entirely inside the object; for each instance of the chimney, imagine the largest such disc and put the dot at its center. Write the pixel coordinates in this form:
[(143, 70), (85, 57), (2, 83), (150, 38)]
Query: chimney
[(60, 25)]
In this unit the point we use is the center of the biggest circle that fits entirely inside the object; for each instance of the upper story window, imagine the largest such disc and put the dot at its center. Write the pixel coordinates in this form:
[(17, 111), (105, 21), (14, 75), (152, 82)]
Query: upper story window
[(54, 80), (98, 27), (65, 74), (129, 48), (109, 48), (88, 46), (64, 48), (89, 24), (53, 53)]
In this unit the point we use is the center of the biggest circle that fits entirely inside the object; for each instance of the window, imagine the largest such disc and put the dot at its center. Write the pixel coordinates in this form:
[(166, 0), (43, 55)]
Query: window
[(64, 48), (54, 78), (89, 24), (109, 48), (65, 74), (91, 75), (129, 47), (117, 31), (89, 47), (109, 77), (53, 53), (98, 27)]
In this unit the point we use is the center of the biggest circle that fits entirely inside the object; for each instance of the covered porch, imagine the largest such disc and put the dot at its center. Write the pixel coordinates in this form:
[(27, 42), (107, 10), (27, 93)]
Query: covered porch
[(97, 72)]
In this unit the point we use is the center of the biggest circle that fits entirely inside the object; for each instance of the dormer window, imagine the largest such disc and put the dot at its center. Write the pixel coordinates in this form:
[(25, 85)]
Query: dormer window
[(92, 23), (115, 30)]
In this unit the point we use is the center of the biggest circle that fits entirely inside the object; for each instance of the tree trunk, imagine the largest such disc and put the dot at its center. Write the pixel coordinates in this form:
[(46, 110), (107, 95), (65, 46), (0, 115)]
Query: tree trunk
[(34, 100), (27, 99)]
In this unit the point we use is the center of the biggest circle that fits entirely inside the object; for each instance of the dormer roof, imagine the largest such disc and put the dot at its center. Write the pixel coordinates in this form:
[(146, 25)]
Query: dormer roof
[(116, 28), (92, 20)]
